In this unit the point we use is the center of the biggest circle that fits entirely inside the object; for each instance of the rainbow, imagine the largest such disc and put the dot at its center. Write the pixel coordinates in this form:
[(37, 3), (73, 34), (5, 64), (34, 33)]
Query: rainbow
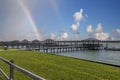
[(30, 18)]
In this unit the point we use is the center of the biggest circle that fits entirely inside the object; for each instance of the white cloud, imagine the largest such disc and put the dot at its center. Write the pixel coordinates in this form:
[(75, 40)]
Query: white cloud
[(78, 16), (99, 28), (75, 36), (98, 32), (64, 36), (101, 36), (116, 34), (89, 29), (118, 31), (74, 27), (52, 36)]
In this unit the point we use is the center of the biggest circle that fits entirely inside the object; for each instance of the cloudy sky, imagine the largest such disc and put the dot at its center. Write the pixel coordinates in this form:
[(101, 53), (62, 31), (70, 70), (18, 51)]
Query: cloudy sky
[(59, 19)]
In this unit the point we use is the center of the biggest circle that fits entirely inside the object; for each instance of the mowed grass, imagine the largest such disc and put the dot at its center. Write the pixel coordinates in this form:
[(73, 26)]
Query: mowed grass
[(1, 48), (53, 67)]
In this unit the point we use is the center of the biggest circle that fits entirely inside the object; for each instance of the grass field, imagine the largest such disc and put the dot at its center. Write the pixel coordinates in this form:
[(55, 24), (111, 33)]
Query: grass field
[(1, 48), (53, 67)]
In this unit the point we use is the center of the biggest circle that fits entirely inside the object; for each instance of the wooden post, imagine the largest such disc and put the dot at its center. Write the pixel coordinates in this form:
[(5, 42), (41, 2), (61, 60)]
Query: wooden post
[(11, 71)]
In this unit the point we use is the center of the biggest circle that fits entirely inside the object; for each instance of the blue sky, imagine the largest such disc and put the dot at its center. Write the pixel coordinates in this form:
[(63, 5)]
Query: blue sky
[(61, 19)]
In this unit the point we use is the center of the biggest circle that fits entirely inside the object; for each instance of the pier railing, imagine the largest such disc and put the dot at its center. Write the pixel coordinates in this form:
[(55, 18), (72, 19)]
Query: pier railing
[(15, 67)]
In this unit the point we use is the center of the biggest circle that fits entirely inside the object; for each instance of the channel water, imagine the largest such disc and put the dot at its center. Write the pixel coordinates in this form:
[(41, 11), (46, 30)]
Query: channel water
[(105, 56)]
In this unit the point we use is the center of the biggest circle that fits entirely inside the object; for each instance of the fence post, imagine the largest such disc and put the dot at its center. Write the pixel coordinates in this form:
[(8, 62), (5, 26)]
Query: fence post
[(11, 71)]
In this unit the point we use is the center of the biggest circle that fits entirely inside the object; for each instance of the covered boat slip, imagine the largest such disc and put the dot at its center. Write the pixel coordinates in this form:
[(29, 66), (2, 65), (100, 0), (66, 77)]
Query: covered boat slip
[(52, 46)]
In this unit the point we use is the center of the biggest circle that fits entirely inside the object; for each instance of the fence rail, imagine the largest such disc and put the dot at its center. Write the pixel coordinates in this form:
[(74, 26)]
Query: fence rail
[(13, 66), (4, 75)]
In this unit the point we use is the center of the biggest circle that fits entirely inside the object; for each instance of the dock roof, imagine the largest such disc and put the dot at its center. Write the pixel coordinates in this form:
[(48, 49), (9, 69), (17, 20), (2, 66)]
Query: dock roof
[(91, 39)]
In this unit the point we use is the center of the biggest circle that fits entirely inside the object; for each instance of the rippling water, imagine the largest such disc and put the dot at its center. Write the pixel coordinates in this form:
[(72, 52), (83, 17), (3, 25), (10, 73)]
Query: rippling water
[(112, 57)]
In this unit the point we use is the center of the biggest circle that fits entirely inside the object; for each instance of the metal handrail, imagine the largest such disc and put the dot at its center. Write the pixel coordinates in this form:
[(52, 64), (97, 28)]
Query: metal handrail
[(24, 71)]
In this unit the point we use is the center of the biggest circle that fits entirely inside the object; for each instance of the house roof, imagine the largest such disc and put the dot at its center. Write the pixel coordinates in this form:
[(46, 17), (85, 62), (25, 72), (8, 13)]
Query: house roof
[(48, 41), (91, 39)]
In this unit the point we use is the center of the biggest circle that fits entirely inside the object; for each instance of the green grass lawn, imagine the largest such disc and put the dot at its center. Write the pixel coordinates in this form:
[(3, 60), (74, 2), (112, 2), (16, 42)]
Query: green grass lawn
[(1, 48), (53, 67)]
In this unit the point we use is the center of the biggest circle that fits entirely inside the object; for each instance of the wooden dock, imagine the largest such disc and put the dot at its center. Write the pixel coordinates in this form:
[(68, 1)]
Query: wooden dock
[(51, 46), (113, 49)]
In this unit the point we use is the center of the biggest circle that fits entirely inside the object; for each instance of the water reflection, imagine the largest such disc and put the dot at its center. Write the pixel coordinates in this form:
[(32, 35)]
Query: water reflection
[(112, 57)]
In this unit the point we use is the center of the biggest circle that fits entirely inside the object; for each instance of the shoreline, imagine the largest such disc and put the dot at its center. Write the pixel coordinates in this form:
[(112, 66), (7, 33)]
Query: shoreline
[(57, 67), (88, 60)]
